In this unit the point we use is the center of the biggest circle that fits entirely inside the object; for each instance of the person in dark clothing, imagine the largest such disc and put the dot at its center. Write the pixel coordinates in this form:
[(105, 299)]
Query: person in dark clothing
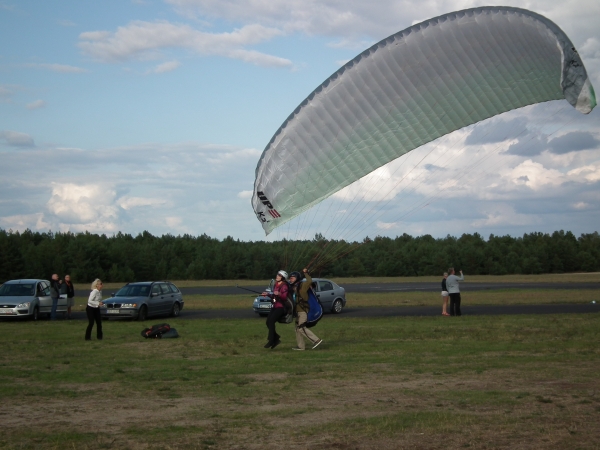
[(55, 288), (68, 288), (445, 295), (278, 298)]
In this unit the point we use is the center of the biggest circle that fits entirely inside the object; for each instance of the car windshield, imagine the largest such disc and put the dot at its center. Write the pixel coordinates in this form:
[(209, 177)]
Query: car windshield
[(134, 290), (17, 290)]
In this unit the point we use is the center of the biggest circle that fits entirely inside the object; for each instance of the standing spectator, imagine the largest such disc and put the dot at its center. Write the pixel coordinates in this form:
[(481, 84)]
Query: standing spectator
[(444, 295), (301, 288), (67, 288), (278, 297), (93, 311), (55, 289), (454, 291)]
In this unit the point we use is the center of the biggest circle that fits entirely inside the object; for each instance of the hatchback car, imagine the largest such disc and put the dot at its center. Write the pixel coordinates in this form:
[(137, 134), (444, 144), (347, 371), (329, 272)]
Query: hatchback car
[(28, 298), (142, 300), (332, 296)]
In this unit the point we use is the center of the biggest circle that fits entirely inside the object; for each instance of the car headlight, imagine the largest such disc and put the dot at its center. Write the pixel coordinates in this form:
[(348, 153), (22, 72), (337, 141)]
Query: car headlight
[(24, 305), (128, 305)]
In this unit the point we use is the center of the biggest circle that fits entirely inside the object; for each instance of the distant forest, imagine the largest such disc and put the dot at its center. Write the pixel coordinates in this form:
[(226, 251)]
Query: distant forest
[(124, 257)]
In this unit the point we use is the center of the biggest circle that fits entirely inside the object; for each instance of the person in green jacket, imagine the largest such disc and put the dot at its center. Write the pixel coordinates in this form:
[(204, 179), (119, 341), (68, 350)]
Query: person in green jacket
[(301, 292)]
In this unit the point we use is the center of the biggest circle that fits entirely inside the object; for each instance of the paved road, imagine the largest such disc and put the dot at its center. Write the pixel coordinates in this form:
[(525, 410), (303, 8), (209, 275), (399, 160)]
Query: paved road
[(465, 286), (401, 310), (397, 311)]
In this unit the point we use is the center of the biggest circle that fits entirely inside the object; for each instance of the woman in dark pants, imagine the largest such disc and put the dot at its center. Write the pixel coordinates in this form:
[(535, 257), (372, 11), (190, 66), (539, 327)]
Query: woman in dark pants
[(278, 297), (93, 311)]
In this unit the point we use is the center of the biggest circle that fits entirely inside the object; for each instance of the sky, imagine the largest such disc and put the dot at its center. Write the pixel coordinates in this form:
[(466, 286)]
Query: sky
[(133, 115)]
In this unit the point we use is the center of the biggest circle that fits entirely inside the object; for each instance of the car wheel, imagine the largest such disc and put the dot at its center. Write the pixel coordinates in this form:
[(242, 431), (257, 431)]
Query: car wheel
[(143, 314), (36, 313), (175, 310), (337, 307)]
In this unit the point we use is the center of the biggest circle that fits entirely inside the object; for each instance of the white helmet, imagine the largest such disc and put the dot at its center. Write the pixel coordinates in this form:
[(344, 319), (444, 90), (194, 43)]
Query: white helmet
[(283, 273)]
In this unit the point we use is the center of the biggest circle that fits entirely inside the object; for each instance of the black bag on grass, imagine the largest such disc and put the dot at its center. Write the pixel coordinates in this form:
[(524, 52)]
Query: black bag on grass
[(156, 331), (172, 333)]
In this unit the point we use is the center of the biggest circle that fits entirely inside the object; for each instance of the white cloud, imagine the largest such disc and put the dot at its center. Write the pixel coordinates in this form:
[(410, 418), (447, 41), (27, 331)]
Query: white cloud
[(168, 66), (245, 194), (502, 215), (128, 203), (590, 173), (60, 68), (387, 225), (580, 205), (139, 40), (173, 222), (16, 138), (535, 176), (25, 221), (36, 104), (351, 21), (82, 204)]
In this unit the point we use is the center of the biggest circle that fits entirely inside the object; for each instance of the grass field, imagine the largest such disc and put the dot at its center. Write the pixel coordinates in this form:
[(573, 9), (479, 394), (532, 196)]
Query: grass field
[(512, 382), (591, 277)]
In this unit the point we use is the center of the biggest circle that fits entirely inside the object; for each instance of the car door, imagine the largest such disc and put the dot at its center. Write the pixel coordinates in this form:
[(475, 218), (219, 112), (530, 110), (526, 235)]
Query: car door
[(168, 297), (43, 295), (155, 300), (326, 293)]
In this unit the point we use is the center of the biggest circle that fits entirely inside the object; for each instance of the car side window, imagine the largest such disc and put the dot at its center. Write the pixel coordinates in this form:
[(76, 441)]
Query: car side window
[(174, 288), (156, 289), (165, 288), (45, 288), (325, 286)]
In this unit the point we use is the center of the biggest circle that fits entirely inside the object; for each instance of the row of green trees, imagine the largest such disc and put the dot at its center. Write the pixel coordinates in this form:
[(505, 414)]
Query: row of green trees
[(123, 257)]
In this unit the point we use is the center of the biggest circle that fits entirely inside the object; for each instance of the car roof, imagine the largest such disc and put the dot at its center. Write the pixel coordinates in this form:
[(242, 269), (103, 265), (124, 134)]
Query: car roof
[(145, 283), (23, 281)]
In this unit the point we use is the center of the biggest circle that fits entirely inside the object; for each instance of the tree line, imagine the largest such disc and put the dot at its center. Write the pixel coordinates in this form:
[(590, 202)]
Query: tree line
[(123, 257)]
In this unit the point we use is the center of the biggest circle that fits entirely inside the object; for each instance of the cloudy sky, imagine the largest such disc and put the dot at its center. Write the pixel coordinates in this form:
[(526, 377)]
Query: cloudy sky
[(132, 115)]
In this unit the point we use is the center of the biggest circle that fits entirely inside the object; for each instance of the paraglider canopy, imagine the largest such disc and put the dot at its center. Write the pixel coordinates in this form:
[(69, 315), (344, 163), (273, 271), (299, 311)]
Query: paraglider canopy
[(419, 84)]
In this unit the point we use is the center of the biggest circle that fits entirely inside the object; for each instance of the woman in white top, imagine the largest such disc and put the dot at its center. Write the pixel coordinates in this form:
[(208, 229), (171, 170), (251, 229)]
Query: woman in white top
[(93, 311)]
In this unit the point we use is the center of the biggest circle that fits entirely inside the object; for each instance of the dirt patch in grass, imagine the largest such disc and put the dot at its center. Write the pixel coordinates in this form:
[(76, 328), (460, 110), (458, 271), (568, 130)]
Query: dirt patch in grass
[(379, 410)]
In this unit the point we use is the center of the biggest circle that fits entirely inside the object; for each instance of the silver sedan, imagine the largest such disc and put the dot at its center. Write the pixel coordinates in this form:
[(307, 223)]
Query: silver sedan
[(28, 298)]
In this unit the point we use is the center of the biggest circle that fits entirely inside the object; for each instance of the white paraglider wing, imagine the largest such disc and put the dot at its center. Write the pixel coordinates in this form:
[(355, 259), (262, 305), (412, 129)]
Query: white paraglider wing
[(409, 89)]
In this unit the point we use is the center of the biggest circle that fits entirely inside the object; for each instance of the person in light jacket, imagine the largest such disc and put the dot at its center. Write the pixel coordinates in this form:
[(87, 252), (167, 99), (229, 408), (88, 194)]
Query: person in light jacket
[(454, 291), (301, 289), (93, 310)]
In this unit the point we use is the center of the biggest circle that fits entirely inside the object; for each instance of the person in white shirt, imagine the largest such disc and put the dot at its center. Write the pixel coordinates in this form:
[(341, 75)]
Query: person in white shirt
[(454, 291), (93, 310)]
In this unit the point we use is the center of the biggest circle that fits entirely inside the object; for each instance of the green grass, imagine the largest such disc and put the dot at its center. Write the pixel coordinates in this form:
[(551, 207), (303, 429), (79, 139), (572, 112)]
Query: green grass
[(588, 277), (374, 383)]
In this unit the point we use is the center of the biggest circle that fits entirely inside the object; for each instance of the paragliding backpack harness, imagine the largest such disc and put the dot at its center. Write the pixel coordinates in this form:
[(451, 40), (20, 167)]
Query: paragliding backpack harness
[(315, 309), (288, 305), (160, 331)]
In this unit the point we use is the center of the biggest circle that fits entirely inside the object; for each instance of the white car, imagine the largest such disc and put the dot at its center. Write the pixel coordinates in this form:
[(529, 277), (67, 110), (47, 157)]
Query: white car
[(28, 298)]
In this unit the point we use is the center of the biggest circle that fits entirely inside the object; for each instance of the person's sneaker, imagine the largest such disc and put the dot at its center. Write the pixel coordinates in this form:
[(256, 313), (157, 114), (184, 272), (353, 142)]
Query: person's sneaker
[(297, 348), (275, 344), (318, 343), (268, 345)]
